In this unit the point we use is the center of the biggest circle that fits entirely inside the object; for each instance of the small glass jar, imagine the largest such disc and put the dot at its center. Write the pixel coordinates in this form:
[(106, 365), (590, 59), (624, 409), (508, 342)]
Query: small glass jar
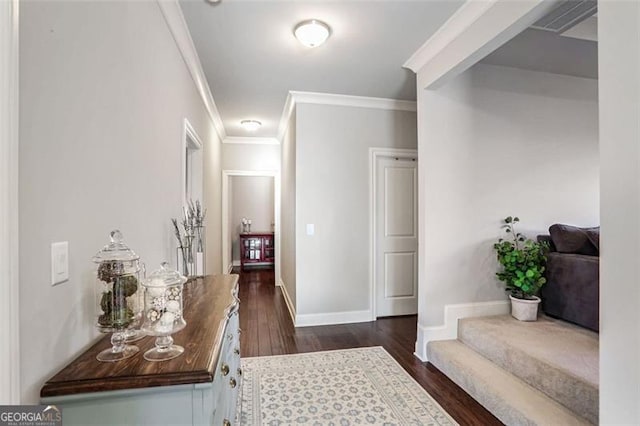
[(118, 297), (163, 311)]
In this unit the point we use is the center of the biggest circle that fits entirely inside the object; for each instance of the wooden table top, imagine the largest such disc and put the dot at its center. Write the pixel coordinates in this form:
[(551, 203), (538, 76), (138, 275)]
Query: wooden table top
[(207, 302), (257, 234)]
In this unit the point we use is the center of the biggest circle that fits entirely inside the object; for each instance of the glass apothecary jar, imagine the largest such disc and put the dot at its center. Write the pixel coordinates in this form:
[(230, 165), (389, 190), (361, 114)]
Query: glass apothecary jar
[(118, 297), (163, 311)]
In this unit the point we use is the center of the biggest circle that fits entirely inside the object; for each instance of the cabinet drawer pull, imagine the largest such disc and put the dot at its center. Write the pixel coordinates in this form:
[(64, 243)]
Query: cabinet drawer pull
[(236, 351), (225, 369), (230, 336), (239, 371), (232, 382), (226, 422), (239, 330)]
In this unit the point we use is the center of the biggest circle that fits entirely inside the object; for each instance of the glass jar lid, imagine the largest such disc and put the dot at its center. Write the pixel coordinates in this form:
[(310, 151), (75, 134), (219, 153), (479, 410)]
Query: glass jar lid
[(164, 277), (115, 250)]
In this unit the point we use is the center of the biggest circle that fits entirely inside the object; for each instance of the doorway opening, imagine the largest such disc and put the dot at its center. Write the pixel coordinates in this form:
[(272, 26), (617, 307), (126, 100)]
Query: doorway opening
[(250, 219), (192, 159)]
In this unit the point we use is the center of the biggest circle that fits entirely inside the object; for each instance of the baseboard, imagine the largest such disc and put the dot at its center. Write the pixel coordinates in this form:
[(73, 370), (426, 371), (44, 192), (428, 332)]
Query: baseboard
[(330, 318), (418, 353), (452, 313), (229, 268), (236, 263), (287, 300)]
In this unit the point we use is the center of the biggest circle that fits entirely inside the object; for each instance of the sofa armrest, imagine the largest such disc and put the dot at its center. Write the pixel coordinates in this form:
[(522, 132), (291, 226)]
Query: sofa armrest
[(572, 290), (547, 239)]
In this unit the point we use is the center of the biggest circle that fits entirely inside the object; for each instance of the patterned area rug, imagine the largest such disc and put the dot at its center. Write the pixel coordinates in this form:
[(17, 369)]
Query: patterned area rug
[(364, 386)]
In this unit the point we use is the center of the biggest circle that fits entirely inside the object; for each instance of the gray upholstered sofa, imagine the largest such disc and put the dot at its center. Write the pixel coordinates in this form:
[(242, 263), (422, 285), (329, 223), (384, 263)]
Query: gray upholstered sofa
[(573, 276)]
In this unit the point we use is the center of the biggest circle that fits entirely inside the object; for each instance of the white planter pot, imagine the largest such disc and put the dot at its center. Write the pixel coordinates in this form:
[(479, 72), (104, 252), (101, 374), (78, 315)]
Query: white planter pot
[(525, 309)]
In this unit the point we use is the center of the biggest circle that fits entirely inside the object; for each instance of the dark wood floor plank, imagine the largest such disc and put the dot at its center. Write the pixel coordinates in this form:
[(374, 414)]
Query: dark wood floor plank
[(268, 330)]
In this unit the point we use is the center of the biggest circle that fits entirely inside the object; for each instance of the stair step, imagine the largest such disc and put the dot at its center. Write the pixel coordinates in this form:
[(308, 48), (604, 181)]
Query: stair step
[(509, 399), (557, 358)]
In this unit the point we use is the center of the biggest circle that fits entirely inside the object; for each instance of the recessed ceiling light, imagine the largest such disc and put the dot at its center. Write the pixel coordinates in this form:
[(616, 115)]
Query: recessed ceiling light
[(250, 125), (312, 32)]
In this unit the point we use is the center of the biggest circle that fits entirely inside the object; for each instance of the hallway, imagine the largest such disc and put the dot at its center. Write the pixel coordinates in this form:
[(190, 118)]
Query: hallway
[(268, 330)]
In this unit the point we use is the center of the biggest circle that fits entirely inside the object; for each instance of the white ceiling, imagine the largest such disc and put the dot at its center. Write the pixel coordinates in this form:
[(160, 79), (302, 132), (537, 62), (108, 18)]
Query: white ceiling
[(251, 58), (546, 51), (585, 30)]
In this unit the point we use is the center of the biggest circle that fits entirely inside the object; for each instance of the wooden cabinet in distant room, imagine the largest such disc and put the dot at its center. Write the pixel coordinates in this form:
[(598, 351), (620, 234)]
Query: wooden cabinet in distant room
[(257, 249)]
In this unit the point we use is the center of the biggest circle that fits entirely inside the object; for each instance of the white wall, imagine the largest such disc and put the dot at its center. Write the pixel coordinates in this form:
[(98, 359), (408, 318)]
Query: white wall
[(252, 197), (495, 142), (288, 211), (103, 95), (212, 201), (9, 215), (619, 71), (253, 157), (332, 192)]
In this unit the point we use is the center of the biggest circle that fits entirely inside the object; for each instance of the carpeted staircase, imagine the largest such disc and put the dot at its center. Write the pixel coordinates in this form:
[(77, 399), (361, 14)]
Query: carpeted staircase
[(525, 373)]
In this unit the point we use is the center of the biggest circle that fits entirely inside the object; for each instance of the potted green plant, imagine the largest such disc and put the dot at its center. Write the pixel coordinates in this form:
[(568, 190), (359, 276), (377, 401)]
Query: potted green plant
[(523, 262)]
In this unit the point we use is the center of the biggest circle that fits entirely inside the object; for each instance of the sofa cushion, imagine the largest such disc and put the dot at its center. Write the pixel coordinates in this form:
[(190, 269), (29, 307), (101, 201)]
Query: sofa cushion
[(571, 239)]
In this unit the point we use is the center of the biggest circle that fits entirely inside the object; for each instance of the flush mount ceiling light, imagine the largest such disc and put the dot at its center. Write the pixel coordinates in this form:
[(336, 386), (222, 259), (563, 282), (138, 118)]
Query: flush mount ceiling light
[(311, 33), (250, 125)]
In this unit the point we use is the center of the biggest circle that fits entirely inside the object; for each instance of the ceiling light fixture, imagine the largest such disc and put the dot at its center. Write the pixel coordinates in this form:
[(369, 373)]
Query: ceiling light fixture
[(311, 33), (250, 125)]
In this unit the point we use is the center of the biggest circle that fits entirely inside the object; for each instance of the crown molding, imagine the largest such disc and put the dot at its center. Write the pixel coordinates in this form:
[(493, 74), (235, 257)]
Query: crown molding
[(289, 105), (295, 97), (476, 29), (352, 101), (458, 23), (178, 27), (250, 140)]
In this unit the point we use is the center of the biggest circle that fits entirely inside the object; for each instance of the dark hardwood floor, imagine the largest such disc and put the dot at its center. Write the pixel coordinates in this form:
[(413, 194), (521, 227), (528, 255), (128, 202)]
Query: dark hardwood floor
[(268, 330)]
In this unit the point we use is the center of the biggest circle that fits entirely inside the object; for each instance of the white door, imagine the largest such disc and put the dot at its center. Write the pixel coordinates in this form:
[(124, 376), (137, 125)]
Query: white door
[(396, 236)]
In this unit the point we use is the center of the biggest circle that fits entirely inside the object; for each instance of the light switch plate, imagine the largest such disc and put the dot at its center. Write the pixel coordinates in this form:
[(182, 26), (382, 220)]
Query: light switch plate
[(59, 262), (311, 229)]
